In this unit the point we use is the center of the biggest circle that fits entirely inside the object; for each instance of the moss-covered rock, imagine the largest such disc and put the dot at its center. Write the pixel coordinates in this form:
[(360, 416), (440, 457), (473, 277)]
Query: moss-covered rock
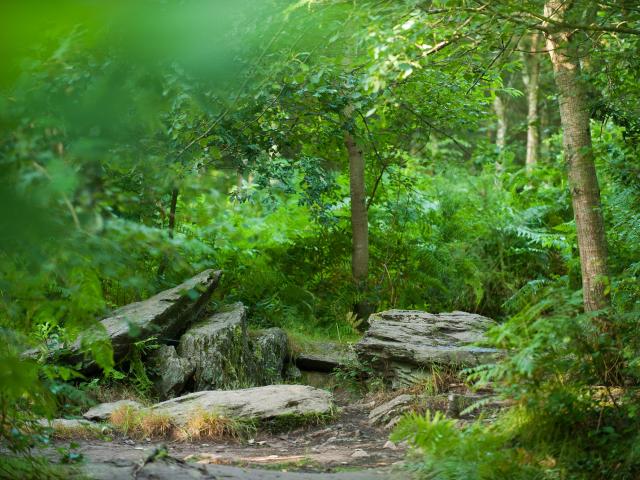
[(270, 351), (218, 353), (218, 349), (169, 371)]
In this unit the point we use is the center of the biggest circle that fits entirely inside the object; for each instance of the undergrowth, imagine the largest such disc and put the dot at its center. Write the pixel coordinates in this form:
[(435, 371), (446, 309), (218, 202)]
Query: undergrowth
[(201, 425)]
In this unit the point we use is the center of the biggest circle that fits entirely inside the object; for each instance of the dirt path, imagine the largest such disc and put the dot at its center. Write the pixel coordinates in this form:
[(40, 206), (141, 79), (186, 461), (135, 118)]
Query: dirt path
[(347, 448)]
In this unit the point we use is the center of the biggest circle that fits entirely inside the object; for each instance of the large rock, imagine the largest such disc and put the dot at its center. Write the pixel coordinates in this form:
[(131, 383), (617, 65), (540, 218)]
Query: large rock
[(170, 372), (164, 316), (403, 343), (218, 349), (103, 411), (259, 403), (270, 350)]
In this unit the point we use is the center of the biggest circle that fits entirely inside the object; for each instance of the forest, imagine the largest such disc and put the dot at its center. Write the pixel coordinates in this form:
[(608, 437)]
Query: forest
[(320, 239)]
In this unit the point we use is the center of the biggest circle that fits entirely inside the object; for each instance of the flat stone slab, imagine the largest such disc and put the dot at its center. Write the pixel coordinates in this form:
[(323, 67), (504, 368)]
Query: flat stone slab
[(102, 412), (169, 468), (165, 315), (68, 423), (323, 356), (259, 403), (401, 342)]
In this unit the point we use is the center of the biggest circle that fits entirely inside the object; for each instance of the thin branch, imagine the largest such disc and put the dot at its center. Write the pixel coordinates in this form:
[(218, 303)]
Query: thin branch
[(479, 77), (224, 113), (432, 126), (66, 200), (382, 162)]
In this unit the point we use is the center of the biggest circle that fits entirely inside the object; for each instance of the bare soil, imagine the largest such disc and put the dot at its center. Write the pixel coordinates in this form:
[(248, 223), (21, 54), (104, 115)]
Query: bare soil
[(346, 448)]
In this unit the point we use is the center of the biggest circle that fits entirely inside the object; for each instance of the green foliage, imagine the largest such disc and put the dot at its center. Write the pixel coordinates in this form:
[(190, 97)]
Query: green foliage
[(242, 115), (573, 376), (137, 374), (476, 452), (32, 468)]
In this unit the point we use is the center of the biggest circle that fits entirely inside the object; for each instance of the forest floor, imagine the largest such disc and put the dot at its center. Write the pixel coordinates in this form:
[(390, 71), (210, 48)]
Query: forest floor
[(346, 448)]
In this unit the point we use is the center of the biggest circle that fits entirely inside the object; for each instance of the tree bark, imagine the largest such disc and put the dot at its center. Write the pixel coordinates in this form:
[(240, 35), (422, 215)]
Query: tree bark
[(501, 130), (172, 223), (583, 181), (530, 77), (359, 216)]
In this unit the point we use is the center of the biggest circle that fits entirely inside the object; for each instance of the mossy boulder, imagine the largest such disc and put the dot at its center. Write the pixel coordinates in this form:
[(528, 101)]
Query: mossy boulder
[(218, 353), (270, 349), (170, 372), (218, 349)]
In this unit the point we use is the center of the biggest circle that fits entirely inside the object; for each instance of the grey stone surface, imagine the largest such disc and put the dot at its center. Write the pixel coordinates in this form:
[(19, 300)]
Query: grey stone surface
[(323, 356), (400, 343), (103, 411), (170, 372), (259, 403), (69, 423), (165, 316), (270, 349), (389, 412), (173, 469), (218, 349)]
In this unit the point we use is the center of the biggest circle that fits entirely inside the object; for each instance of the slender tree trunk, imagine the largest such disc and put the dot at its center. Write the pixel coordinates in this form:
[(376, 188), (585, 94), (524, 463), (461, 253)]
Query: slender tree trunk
[(172, 223), (583, 181), (530, 77), (501, 130), (359, 217)]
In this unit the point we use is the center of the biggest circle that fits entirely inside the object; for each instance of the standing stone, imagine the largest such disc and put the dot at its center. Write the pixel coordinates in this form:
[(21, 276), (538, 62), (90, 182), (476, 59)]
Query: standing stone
[(270, 349), (169, 371), (218, 349)]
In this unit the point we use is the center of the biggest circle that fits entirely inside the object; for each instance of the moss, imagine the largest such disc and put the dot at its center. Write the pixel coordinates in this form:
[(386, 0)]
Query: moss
[(301, 464), (284, 423), (83, 432)]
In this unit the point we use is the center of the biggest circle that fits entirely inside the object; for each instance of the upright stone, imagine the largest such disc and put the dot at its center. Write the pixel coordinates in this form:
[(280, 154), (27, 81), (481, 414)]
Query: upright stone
[(170, 372), (218, 348), (270, 349)]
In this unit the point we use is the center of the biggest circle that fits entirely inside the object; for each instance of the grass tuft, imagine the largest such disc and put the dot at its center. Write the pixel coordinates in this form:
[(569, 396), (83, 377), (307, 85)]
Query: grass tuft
[(203, 425), (142, 423)]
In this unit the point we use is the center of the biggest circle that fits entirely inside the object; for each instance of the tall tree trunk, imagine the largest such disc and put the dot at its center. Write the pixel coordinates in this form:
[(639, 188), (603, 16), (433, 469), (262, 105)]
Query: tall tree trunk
[(583, 181), (359, 217), (172, 224), (530, 77), (501, 130)]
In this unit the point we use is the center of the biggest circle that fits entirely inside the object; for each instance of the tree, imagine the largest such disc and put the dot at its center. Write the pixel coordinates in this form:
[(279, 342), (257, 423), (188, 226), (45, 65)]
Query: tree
[(501, 115), (583, 180), (531, 80), (359, 216)]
